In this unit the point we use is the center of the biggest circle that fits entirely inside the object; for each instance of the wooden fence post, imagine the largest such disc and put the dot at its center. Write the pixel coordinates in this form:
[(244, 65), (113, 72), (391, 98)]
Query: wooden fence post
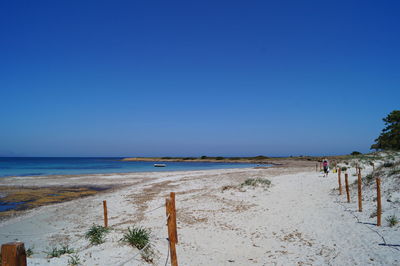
[(340, 181), (171, 231), (316, 167), (172, 197), (13, 254), (359, 192), (105, 213), (346, 179), (379, 203)]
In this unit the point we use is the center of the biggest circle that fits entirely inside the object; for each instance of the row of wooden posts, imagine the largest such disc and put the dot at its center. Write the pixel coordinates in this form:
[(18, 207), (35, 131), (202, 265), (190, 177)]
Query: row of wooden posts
[(359, 186), (321, 166), (14, 254)]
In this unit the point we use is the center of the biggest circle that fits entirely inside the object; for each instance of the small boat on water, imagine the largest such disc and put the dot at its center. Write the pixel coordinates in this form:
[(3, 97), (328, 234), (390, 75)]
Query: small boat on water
[(160, 165)]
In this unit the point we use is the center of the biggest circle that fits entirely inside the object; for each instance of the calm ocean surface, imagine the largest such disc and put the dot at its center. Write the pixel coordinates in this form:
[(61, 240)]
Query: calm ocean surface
[(35, 166)]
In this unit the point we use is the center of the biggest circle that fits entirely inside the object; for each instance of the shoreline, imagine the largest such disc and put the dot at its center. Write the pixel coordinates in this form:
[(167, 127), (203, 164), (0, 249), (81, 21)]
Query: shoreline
[(130, 171), (244, 160), (121, 173)]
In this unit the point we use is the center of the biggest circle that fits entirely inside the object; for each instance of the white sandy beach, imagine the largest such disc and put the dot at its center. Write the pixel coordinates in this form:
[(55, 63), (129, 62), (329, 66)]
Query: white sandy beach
[(299, 220)]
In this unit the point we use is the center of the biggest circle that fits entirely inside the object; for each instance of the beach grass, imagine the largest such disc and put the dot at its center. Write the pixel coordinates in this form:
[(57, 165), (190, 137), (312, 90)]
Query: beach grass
[(56, 252), (137, 236), (392, 220), (96, 234), (74, 260)]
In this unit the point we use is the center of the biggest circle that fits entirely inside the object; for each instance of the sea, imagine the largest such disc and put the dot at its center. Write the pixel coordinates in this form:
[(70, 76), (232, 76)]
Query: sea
[(42, 166)]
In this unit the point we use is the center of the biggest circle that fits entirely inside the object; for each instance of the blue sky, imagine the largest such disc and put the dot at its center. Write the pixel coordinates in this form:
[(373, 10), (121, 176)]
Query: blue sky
[(191, 78)]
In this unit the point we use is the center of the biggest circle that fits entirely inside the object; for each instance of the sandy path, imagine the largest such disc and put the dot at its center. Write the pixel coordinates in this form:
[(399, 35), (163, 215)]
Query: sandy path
[(296, 222)]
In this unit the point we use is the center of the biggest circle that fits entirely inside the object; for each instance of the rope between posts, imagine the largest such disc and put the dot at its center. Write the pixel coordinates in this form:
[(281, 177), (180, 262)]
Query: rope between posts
[(166, 261), (134, 256), (375, 231), (154, 209), (141, 250), (115, 210)]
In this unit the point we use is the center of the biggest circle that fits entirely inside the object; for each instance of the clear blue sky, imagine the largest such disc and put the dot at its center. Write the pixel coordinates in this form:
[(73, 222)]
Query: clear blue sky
[(169, 78)]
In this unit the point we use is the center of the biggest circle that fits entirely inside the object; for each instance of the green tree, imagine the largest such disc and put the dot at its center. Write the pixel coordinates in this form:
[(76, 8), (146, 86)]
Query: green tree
[(390, 135)]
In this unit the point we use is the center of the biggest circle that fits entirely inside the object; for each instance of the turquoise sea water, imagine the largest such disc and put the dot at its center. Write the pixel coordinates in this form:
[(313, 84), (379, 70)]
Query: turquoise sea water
[(35, 166)]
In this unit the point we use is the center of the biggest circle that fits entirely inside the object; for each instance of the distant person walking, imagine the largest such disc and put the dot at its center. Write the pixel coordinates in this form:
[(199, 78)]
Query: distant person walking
[(325, 164)]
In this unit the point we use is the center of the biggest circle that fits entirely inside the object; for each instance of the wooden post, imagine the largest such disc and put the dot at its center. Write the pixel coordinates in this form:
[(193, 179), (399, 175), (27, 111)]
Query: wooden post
[(340, 181), (379, 203), (13, 254), (359, 192), (172, 196), (316, 167), (171, 232), (346, 179), (105, 213)]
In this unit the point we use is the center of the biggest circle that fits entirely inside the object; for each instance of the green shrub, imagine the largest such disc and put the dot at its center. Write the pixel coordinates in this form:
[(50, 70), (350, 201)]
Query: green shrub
[(389, 139), (344, 168), (356, 153), (57, 252), (392, 220), (74, 260), (29, 252), (138, 237), (256, 182), (96, 234)]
